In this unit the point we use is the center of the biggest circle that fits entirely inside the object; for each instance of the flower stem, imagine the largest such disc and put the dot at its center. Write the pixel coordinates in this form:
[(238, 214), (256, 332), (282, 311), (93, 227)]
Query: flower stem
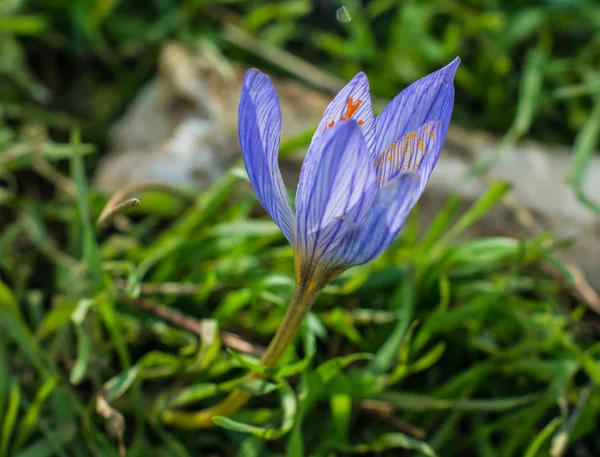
[(300, 305)]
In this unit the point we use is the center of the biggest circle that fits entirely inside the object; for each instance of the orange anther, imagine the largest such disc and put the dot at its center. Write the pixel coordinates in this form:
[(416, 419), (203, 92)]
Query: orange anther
[(351, 108), (330, 124)]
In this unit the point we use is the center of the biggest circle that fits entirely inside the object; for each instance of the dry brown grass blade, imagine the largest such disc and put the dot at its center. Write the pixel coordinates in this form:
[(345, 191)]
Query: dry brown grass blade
[(120, 202), (192, 325)]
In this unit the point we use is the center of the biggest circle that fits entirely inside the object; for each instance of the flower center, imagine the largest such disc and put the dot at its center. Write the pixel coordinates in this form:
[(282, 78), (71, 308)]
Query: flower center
[(351, 108)]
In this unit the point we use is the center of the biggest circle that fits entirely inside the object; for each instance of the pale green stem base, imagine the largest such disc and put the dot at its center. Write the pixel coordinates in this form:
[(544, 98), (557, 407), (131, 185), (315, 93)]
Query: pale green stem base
[(299, 306)]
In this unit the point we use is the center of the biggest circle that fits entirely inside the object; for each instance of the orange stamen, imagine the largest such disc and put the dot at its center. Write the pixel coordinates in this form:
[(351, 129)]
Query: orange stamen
[(407, 153), (351, 108)]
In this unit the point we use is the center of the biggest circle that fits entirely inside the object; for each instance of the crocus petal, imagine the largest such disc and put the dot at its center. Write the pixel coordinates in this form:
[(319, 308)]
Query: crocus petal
[(337, 186), (259, 130), (352, 102), (410, 151), (415, 123), (385, 219)]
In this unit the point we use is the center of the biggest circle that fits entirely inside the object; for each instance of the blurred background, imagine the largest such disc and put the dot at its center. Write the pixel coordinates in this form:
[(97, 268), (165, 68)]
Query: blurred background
[(476, 334)]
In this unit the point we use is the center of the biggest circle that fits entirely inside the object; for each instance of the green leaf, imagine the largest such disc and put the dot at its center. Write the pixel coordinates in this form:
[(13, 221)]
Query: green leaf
[(251, 446), (10, 418), (430, 358), (419, 402), (585, 143), (84, 342), (306, 396), (116, 386), (530, 90), (250, 362), (91, 253), (541, 437), (232, 303), (340, 402), (329, 369), (251, 228), (529, 99), (22, 24), (589, 363), (51, 445), (57, 151), (339, 321), (56, 318), (299, 141), (201, 391), (32, 416), (404, 300), (5, 375), (391, 441), (210, 347), (310, 349), (486, 251), (108, 315), (194, 393), (208, 204), (493, 195), (289, 408), (16, 328), (439, 226), (257, 387), (403, 355)]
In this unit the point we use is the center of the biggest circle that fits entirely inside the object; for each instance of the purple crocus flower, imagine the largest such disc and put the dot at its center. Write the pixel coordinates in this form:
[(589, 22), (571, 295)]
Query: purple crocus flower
[(361, 176)]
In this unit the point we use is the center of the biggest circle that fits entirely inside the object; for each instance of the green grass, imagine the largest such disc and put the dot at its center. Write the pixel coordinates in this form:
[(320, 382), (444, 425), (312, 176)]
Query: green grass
[(438, 347)]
